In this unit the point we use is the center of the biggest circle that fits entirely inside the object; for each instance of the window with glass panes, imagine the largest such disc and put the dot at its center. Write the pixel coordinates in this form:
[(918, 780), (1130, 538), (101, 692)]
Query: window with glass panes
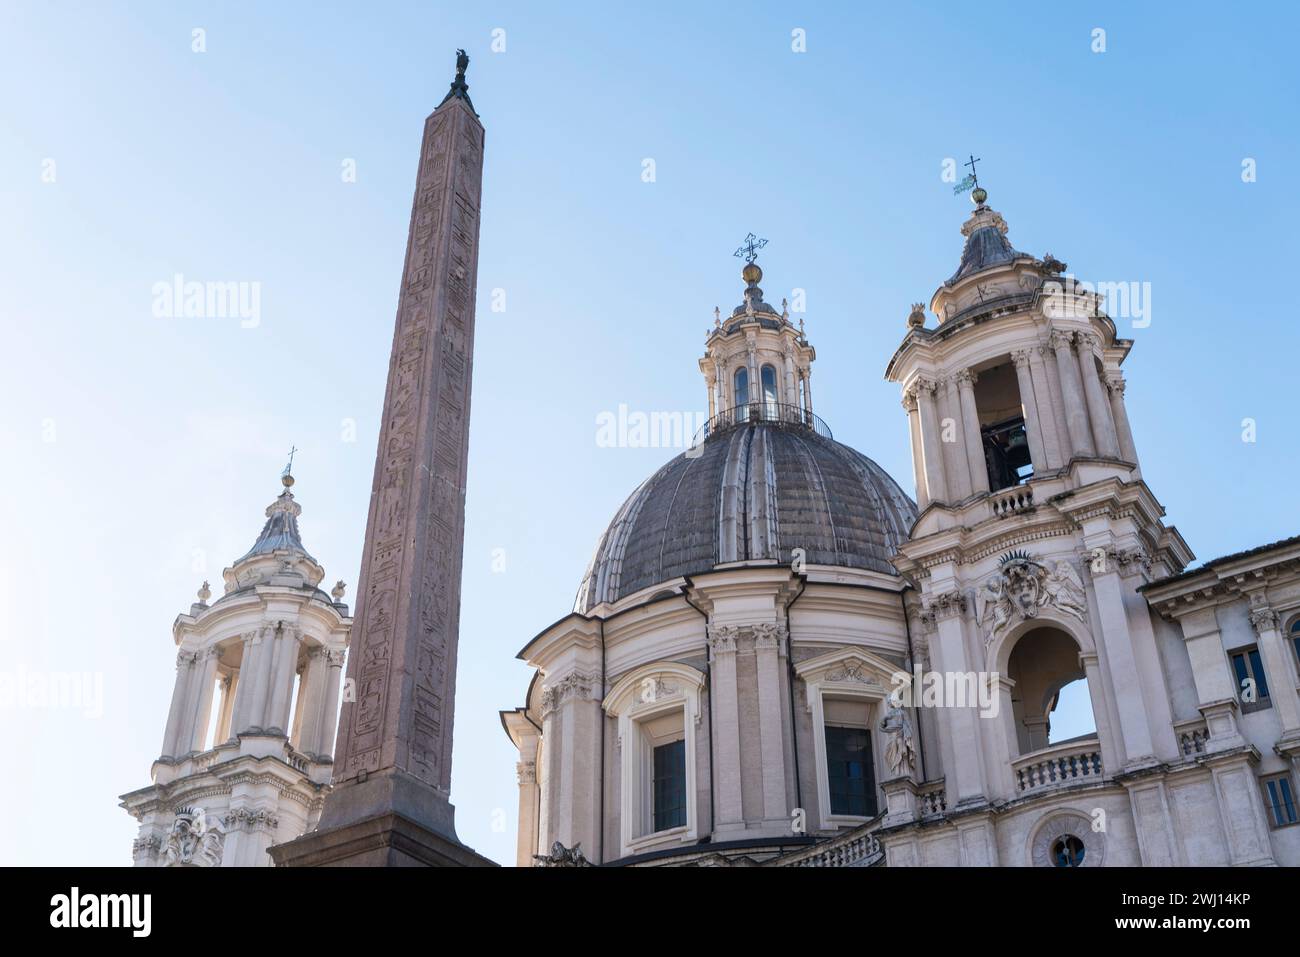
[(670, 785), (1252, 687), (1279, 798), (1295, 640), (849, 771)]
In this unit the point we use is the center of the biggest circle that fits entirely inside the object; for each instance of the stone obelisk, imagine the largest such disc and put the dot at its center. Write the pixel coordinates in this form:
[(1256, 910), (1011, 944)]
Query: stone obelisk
[(392, 765)]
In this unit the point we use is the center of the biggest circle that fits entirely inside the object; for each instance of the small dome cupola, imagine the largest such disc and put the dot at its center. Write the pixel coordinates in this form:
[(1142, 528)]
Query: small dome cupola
[(757, 363), (278, 552)]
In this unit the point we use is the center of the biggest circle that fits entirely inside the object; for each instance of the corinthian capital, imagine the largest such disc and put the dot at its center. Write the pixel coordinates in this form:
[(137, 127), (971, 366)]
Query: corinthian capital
[(1061, 339), (722, 639), (947, 605), (966, 378), (1262, 615)]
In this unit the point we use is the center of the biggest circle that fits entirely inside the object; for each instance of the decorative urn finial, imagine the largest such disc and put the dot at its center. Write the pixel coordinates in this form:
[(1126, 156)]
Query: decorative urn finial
[(204, 593), (338, 590), (916, 318)]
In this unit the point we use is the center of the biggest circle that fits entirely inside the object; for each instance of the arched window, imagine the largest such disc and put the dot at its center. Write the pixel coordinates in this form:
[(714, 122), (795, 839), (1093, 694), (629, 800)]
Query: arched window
[(742, 387), (1295, 640), (768, 376)]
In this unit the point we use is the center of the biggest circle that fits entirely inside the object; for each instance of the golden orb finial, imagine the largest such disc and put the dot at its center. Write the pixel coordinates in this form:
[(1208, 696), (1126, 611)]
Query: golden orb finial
[(751, 273), (978, 195)]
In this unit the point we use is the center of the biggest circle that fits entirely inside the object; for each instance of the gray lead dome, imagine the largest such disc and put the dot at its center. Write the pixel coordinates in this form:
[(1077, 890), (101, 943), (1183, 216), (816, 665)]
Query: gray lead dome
[(751, 493)]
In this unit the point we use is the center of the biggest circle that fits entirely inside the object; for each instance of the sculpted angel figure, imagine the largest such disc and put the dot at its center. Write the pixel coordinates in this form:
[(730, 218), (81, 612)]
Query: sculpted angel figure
[(1065, 589), (210, 846), (900, 749), (995, 608)]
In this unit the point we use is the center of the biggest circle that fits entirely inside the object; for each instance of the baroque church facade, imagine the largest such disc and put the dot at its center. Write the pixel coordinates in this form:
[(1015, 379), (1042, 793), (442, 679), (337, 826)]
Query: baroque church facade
[(777, 658)]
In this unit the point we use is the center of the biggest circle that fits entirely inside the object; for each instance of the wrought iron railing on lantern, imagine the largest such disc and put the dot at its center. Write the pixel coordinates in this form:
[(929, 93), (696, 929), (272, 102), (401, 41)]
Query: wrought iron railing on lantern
[(776, 412)]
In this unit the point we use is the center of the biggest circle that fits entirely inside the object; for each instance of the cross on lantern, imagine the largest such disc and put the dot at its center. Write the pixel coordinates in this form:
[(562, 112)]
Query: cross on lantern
[(749, 248), (971, 164)]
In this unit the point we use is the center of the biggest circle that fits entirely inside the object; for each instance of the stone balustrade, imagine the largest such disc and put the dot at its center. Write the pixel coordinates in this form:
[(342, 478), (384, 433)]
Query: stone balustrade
[(1010, 501), (1074, 762), (932, 798), (1193, 736), (858, 849)]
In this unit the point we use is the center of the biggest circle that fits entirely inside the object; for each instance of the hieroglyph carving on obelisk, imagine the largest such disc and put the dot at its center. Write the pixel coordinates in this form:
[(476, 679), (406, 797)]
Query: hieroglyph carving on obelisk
[(402, 666)]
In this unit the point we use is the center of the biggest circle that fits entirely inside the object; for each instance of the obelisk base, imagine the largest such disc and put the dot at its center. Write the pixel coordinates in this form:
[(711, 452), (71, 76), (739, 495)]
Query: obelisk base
[(389, 820)]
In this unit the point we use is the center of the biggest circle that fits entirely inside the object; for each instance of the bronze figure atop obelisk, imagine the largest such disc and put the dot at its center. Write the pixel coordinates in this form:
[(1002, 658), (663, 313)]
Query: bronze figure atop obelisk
[(392, 765)]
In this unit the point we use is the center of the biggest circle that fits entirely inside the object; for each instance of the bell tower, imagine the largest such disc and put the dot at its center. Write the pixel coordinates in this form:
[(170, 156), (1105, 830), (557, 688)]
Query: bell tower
[(1035, 533), (248, 746)]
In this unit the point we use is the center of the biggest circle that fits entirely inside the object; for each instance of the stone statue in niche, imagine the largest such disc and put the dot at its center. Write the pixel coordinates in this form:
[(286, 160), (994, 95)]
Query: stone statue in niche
[(900, 747)]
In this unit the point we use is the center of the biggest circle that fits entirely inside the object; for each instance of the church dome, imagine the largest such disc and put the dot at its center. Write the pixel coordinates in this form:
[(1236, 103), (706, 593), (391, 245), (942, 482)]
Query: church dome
[(751, 493)]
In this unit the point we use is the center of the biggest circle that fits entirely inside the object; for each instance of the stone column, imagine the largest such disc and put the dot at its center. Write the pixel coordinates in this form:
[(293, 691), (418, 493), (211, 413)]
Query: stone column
[(311, 702), (1029, 404), (1279, 665), (1049, 416), (264, 655), (571, 717), (769, 655), (711, 385), (807, 389), (958, 473), (1127, 450), (1076, 414), (395, 740), (1051, 372), (526, 772), (725, 718), (935, 481), (180, 691), (1103, 429), (286, 667), (1134, 731), (791, 390), (755, 383), (722, 402), (1151, 673), (918, 462), (227, 685), (1110, 759), (979, 472), (331, 702), (965, 779), (206, 680), (245, 682)]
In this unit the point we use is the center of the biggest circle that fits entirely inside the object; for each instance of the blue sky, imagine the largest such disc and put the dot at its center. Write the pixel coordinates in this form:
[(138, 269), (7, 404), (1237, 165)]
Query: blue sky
[(140, 452)]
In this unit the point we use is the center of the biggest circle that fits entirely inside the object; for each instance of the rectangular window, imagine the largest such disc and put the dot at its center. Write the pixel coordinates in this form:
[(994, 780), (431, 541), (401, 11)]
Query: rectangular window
[(1252, 686), (850, 771), (1279, 798), (670, 785), (1295, 640)]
